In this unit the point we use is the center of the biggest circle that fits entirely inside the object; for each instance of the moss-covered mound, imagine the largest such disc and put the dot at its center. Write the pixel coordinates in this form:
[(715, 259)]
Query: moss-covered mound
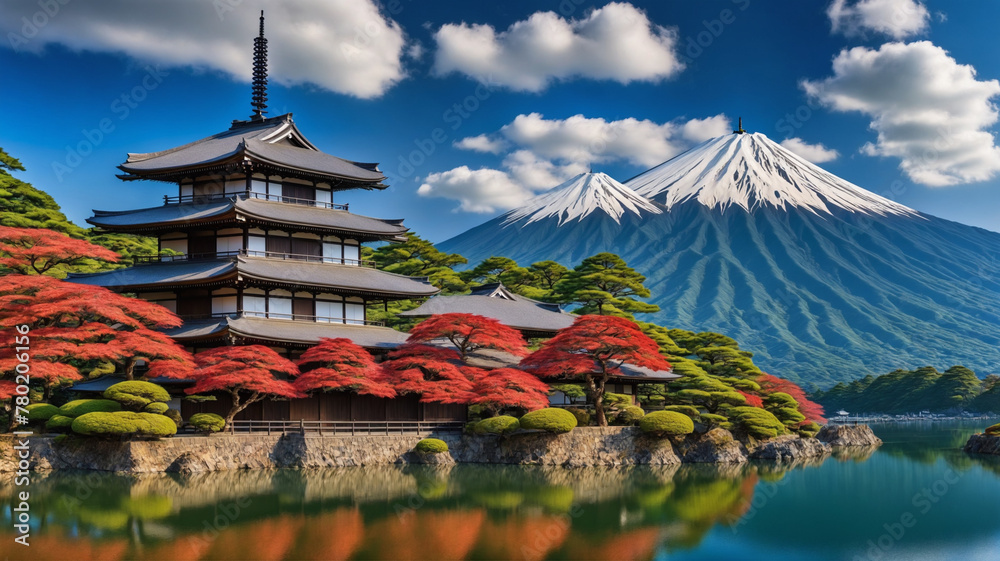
[(59, 423), (135, 394), (666, 423), (582, 416), (689, 410), (207, 422), (175, 416), (757, 422), (41, 412), (994, 430), (123, 424), (550, 419), (630, 416), (809, 430), (713, 420), (156, 407), (504, 424), (79, 407), (431, 446)]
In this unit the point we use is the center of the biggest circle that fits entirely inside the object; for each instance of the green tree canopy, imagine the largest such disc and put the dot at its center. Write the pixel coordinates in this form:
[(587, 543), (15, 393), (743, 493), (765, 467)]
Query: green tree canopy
[(604, 284)]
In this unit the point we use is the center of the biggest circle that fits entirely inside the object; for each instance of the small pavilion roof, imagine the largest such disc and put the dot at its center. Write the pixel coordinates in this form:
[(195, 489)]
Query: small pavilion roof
[(254, 211), (496, 301), (286, 331), (275, 142), (333, 277)]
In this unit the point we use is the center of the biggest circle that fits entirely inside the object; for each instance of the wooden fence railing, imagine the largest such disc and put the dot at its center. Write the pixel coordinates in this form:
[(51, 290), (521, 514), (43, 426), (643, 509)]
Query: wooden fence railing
[(346, 428)]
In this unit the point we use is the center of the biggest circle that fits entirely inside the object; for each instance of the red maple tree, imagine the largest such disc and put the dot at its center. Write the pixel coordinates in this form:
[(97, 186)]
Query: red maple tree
[(812, 410), (505, 388), (248, 374), (73, 327), (469, 332), (435, 373), (593, 350), (752, 399), (38, 250), (339, 364)]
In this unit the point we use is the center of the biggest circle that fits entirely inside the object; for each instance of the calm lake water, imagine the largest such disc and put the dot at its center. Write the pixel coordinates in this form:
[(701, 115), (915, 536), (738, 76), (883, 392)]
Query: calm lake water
[(919, 497)]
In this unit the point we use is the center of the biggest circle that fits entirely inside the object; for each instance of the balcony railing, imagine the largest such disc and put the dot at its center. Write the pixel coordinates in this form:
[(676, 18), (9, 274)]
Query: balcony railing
[(280, 316), (145, 259), (207, 198), (347, 428)]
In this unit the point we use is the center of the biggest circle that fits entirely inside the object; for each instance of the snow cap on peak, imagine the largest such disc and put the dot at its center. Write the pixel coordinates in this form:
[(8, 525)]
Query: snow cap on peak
[(581, 196), (750, 170)]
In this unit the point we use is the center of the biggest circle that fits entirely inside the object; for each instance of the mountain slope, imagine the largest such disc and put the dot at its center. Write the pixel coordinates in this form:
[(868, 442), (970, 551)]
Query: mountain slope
[(825, 282), (581, 196)]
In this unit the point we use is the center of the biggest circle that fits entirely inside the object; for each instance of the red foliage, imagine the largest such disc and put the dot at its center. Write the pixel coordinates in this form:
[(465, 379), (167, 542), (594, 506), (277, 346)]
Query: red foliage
[(73, 324), (812, 410), (249, 374), (510, 387), (469, 332), (27, 250), (437, 374), (595, 346), (752, 400), (7, 389), (339, 364)]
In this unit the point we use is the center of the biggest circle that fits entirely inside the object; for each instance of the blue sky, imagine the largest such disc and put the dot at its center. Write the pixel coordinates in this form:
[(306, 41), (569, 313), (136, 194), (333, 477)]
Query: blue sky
[(894, 95)]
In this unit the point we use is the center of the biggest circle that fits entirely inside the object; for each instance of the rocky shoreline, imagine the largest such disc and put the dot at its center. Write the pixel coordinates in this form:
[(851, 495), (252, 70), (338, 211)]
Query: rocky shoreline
[(589, 446), (983, 444)]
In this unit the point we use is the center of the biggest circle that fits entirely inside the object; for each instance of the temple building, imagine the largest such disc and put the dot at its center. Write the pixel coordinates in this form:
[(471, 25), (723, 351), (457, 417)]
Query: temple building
[(257, 246)]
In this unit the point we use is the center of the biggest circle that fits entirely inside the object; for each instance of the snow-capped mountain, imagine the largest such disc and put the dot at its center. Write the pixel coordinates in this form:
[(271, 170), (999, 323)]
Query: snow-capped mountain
[(579, 197), (823, 280), (749, 170)]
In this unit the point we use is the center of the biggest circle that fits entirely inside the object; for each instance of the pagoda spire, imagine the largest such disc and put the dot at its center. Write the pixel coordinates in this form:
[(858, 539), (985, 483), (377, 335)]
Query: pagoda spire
[(739, 127), (259, 99)]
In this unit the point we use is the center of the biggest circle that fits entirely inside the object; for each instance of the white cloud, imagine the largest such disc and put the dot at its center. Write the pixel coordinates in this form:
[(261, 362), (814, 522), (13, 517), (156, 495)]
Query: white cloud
[(928, 110), (547, 152), (345, 46), (481, 143), (896, 18), (616, 42), (815, 153), (482, 190)]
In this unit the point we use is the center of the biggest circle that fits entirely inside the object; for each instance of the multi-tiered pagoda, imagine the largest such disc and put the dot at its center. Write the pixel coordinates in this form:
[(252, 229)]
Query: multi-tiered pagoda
[(256, 246)]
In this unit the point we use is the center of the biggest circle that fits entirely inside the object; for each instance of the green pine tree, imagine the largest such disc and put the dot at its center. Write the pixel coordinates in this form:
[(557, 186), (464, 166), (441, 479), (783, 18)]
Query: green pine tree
[(603, 284)]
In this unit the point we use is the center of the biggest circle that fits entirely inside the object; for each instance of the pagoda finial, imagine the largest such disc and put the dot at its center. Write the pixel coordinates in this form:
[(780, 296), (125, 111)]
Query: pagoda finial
[(739, 127), (259, 99)]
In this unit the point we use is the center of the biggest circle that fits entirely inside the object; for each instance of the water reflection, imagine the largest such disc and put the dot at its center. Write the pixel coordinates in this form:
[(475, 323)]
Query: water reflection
[(472, 511)]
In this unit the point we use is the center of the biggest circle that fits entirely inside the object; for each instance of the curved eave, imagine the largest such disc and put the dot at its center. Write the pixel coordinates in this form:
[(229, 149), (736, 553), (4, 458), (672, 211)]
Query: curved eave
[(284, 332), (336, 278)]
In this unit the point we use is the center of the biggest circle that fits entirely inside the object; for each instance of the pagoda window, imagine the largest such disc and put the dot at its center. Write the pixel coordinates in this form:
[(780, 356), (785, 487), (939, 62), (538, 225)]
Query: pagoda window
[(259, 187), (229, 244), (255, 306), (187, 189), (279, 308), (194, 304), (208, 190), (354, 311), (352, 252), (302, 309), (224, 305), (235, 186), (180, 246), (324, 197), (294, 193), (309, 248), (257, 245), (329, 312), (278, 245)]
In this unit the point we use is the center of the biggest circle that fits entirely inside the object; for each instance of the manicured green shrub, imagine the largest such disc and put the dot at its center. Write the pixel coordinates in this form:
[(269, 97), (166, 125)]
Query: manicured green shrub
[(207, 422), (550, 419), (59, 423), (809, 430), (175, 416), (40, 412), (730, 398), (123, 424), (582, 416), (157, 407), (617, 399), (79, 407), (431, 446), (666, 423), (135, 394), (758, 423), (504, 424), (788, 416), (713, 420), (630, 416), (689, 410), (994, 430)]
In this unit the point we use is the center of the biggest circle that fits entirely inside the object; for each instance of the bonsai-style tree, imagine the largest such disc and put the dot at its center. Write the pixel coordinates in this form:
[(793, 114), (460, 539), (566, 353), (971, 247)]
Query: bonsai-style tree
[(435, 373), (39, 251), (74, 327), (603, 284), (417, 257), (593, 350), (248, 374), (339, 364), (507, 388), (770, 385), (469, 332)]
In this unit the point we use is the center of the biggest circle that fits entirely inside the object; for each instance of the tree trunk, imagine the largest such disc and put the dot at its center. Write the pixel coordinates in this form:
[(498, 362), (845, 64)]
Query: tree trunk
[(130, 368), (237, 406), (595, 388)]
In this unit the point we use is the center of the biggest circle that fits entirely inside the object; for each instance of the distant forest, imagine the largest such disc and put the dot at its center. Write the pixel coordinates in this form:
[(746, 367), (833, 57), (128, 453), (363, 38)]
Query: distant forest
[(911, 391)]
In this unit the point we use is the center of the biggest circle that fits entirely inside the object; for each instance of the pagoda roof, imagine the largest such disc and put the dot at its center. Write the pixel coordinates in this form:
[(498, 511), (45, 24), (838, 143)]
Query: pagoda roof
[(497, 302), (275, 142), (332, 277), (286, 331), (256, 211)]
